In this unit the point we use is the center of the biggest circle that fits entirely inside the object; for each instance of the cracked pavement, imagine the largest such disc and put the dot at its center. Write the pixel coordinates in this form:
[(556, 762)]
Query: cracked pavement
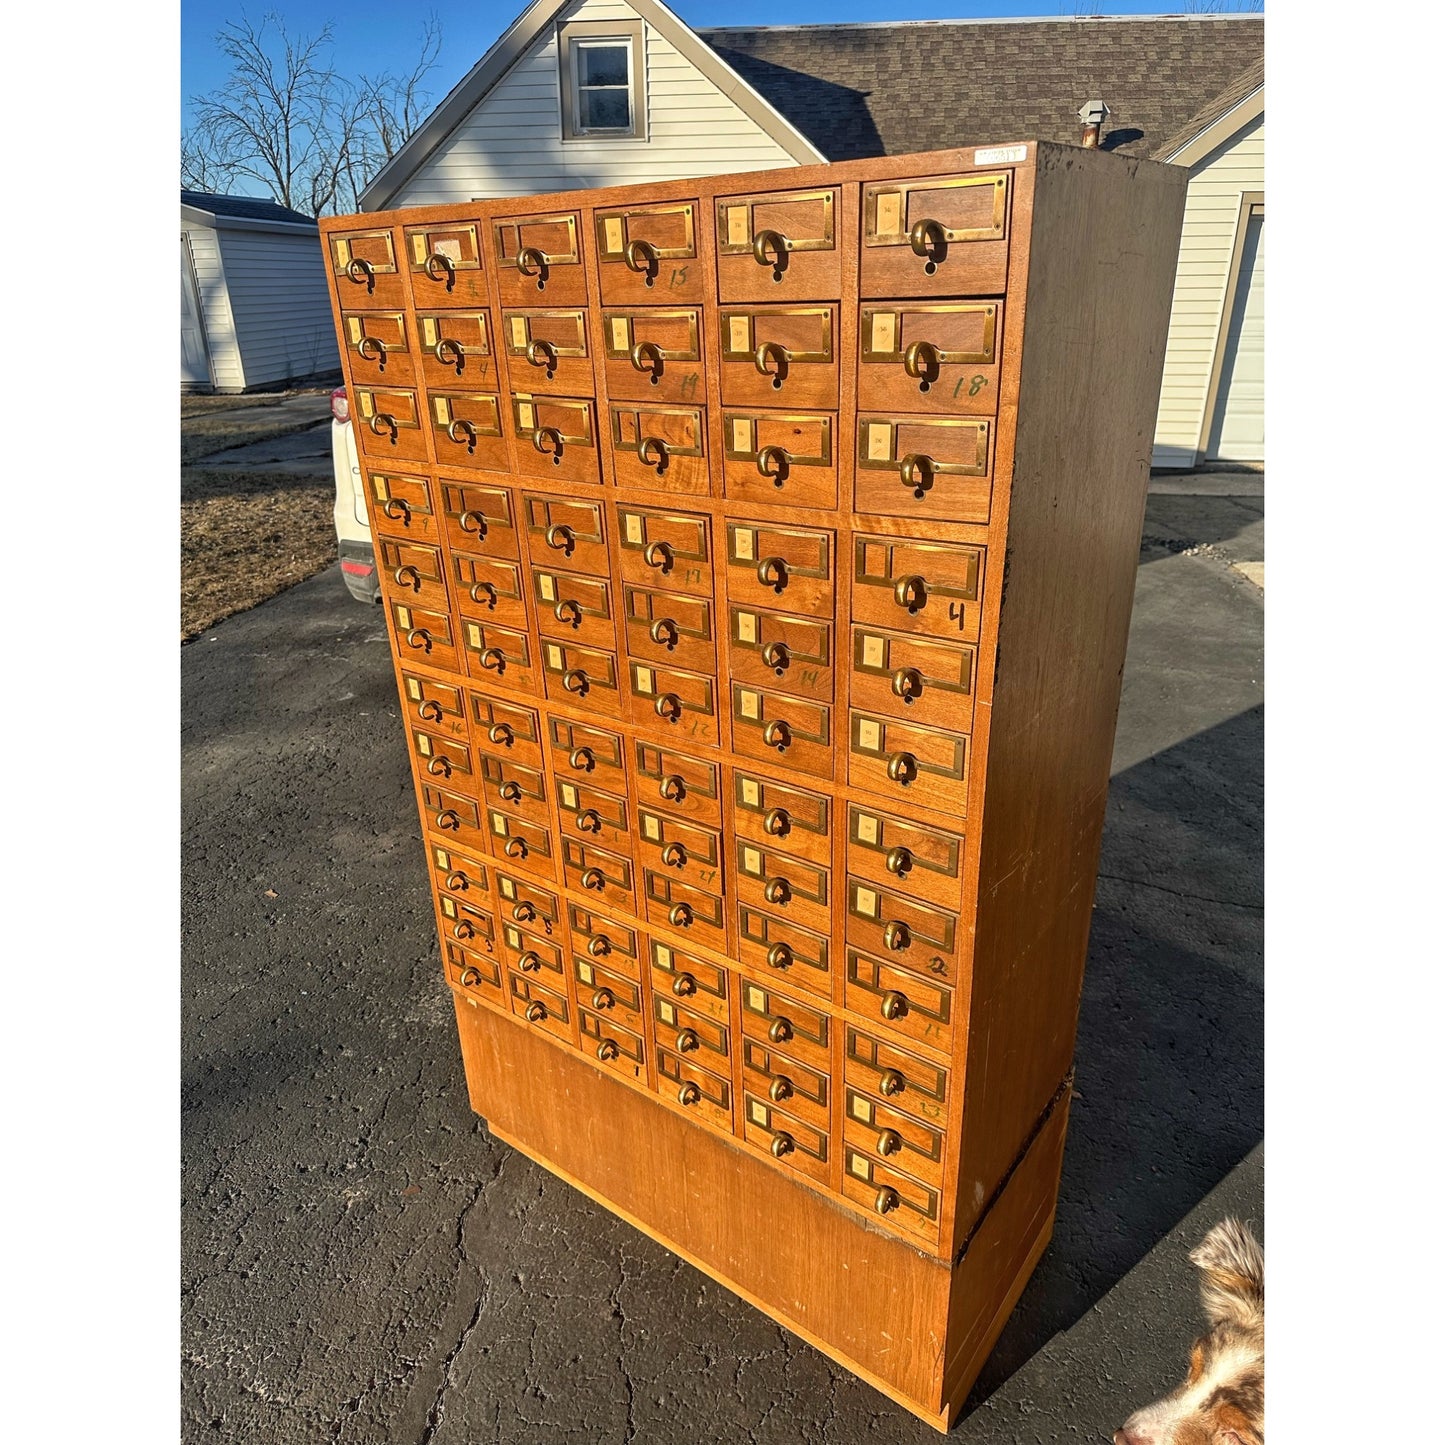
[(363, 1264)]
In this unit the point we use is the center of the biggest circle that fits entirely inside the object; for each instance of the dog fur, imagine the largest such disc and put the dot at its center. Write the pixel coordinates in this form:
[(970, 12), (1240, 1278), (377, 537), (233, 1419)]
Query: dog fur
[(1222, 1400)]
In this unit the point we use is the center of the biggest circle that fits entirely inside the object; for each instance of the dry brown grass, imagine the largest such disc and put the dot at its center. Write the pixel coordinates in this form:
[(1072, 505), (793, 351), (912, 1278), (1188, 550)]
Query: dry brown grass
[(245, 537)]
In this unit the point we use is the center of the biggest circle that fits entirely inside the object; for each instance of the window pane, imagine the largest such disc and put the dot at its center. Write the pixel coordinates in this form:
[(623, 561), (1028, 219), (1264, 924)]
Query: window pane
[(605, 110), (602, 65)]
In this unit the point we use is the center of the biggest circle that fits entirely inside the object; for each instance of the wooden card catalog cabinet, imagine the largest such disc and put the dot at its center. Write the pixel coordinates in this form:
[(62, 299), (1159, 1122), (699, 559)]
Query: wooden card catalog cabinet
[(761, 798)]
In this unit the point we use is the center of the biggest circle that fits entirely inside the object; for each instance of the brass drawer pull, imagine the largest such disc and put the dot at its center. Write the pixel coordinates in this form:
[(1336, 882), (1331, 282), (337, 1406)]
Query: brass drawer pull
[(672, 788), (907, 683), (511, 791), (383, 422), (575, 679), (774, 463), (589, 820), (471, 974), (548, 440), (668, 707), (500, 733), (448, 820), (890, 1083), (461, 430), (603, 999), (593, 880), (776, 890), (781, 1088), (493, 659), (899, 861), (481, 523), (689, 1093), (777, 823), (532, 262), (361, 273), (449, 353), (680, 916), (642, 257), (397, 511), (516, 848), (439, 268), (439, 768), (431, 710), (776, 656), (457, 882), (524, 912), (647, 356), (896, 936), (664, 632), (687, 1041), (782, 1144), (921, 464), (773, 572), (780, 1030), (778, 735), (771, 249), (370, 349), (599, 945), (419, 637), (484, 593), (542, 354), (684, 985), (536, 1011), (569, 611), (886, 1199), (583, 759), (780, 955), (929, 240), (903, 768), (890, 1141), (561, 538), (910, 593), (607, 1050), (661, 455), (894, 1005), (675, 855), (921, 361), (658, 555), (775, 352), (407, 576), (464, 929)]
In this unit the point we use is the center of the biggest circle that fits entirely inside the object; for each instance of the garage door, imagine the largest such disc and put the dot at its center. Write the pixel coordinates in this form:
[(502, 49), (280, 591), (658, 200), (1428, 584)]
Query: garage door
[(195, 369), (1238, 432)]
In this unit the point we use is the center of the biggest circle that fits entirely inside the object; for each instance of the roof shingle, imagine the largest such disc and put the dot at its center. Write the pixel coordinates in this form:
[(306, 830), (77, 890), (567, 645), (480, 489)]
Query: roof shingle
[(245, 208)]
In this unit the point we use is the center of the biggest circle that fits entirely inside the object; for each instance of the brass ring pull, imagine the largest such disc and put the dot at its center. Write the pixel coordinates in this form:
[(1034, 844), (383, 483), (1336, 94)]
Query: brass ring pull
[(902, 768), (361, 273), (407, 576), (929, 240), (774, 462), (468, 517), (687, 1041), (777, 823), (457, 882), (536, 1011), (524, 912), (672, 788), (439, 267), (896, 936), (583, 759), (890, 1083), (659, 555), (484, 593), (647, 356), (464, 929), (603, 999), (642, 257), (397, 511), (689, 1093), (575, 679), (448, 820), (778, 735), (500, 733), (561, 538), (493, 659), (532, 262), (369, 345), (781, 1088), (607, 1050), (773, 572), (568, 610), (782, 1144), (511, 791), (542, 353), (776, 656), (921, 361), (680, 916), (780, 1030), (516, 848), (431, 710), (664, 633), (599, 945), (593, 880), (684, 985), (772, 351), (449, 353), (907, 683), (777, 890), (419, 637), (439, 768), (899, 861), (668, 707), (675, 855), (886, 1199), (894, 1005), (661, 455), (910, 592), (545, 434), (383, 422), (771, 249), (780, 955), (890, 1141), (589, 820), (467, 430), (470, 976), (917, 470)]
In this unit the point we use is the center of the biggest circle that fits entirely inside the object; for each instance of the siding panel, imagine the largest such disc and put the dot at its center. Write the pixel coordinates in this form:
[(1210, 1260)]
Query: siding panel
[(226, 370)]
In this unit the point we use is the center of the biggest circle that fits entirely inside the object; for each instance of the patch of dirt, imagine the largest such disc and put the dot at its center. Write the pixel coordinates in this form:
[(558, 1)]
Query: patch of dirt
[(195, 404), (245, 537)]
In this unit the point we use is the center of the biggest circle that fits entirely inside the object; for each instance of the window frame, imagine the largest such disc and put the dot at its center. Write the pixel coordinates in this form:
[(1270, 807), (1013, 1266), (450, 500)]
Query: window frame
[(621, 32)]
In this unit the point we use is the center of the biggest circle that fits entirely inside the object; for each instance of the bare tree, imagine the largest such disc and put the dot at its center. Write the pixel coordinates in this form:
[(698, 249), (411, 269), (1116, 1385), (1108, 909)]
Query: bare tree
[(287, 120)]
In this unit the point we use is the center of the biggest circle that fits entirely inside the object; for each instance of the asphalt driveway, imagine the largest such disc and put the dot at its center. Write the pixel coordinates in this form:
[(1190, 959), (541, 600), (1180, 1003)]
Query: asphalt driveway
[(362, 1263)]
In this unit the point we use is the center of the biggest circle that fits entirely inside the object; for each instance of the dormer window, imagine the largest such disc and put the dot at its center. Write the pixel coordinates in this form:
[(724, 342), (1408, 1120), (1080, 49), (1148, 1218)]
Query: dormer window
[(602, 81)]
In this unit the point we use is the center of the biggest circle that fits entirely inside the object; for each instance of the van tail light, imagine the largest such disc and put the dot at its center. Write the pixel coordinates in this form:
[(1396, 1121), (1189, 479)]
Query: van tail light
[(340, 406)]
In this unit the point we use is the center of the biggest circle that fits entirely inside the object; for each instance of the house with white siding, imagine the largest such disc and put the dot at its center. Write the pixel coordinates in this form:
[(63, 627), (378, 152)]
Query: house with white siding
[(582, 93), (255, 304)]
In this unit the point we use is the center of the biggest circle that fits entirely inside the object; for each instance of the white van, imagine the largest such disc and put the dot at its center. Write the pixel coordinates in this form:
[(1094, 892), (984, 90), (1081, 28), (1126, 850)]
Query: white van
[(353, 531)]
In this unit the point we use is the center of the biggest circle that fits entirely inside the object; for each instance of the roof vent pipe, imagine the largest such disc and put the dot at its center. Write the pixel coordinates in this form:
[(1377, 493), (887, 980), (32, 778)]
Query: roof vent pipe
[(1093, 113)]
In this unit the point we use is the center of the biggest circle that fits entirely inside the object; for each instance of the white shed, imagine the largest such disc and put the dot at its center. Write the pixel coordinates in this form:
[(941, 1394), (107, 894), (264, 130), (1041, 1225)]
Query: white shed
[(255, 308)]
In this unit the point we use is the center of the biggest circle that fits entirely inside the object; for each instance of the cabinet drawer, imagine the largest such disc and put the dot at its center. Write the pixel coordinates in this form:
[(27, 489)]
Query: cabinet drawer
[(663, 696), (524, 842), (612, 1044), (777, 245), (556, 438), (566, 533), (701, 985), (790, 951), (899, 1000), (905, 760), (453, 815), (423, 634), (911, 934), (927, 680), (665, 549), (456, 350), (769, 725), (592, 814), (606, 992), (499, 653), (508, 784), (466, 428), (479, 518), (547, 351), (684, 785), (467, 923), (931, 587), (925, 467), (700, 1093), (506, 730), (898, 853), (524, 902), (604, 940), (607, 876), (659, 448), (574, 607), (583, 676), (908, 1083), (438, 704), (653, 355), (768, 1071), (780, 356), (388, 423), (938, 356), (364, 269), (464, 875), (539, 260), (474, 974), (402, 506), (540, 1006), (412, 571), (448, 760), (649, 253), (378, 351), (586, 753), (770, 812), (784, 567), (671, 845), (774, 1019), (529, 952), (671, 903), (790, 1139), (935, 236), (690, 1031), (780, 649), (490, 589), (783, 887), (779, 457), (671, 628), (890, 1194), (444, 261)]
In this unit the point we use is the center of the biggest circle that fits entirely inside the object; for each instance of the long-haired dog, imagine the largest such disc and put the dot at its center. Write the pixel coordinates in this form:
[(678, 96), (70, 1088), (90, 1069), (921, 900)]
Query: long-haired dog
[(1222, 1401)]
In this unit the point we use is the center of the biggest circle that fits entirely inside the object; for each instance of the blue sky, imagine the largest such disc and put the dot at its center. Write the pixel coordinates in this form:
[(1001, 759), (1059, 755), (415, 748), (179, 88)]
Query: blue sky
[(368, 34)]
